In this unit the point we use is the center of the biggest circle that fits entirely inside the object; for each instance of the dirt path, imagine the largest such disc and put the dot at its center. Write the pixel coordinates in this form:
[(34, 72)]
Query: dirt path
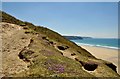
[(0, 49), (12, 44)]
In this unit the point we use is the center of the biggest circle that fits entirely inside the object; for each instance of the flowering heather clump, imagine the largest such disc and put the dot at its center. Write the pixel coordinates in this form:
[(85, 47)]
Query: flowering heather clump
[(54, 66), (57, 68)]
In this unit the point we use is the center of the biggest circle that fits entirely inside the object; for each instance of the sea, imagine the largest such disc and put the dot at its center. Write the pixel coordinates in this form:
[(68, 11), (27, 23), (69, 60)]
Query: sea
[(111, 43)]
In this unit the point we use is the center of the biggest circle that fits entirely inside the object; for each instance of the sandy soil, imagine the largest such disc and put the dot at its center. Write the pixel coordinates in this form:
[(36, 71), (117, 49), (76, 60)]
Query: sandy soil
[(104, 53)]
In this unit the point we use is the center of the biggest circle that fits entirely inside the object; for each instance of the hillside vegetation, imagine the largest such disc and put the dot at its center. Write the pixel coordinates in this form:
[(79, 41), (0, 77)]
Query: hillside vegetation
[(36, 51)]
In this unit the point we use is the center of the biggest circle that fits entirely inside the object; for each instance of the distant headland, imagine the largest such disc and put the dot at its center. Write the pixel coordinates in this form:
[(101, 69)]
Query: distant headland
[(76, 37)]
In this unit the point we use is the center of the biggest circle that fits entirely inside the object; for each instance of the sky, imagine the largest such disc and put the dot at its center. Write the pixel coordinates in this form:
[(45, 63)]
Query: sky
[(92, 19), (60, 0)]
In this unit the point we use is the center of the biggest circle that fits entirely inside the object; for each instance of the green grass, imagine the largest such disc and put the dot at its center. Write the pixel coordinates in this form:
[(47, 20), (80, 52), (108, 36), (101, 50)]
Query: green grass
[(52, 35), (46, 60), (10, 19)]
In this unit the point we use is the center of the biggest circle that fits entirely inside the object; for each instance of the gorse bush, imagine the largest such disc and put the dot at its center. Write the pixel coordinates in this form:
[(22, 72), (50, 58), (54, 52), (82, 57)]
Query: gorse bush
[(10, 19)]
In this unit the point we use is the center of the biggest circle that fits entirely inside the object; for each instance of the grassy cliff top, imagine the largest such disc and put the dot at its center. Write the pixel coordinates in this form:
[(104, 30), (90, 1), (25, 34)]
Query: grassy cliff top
[(36, 51)]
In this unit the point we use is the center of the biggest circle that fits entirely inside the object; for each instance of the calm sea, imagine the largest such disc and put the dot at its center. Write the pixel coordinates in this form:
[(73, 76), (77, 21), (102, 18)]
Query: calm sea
[(100, 42)]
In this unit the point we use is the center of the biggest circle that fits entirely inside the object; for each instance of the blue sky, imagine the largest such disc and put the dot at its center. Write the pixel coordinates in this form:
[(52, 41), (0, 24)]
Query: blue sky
[(92, 19), (60, 0)]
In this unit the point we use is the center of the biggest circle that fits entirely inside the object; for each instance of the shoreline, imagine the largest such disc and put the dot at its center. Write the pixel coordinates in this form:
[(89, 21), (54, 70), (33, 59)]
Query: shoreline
[(101, 46), (107, 54)]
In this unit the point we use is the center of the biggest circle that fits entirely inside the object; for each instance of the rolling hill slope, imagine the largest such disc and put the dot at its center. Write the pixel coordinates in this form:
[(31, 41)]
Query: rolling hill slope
[(36, 51)]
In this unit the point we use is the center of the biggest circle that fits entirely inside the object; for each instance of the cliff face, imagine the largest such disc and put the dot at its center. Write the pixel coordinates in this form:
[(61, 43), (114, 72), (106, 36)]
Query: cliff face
[(35, 51)]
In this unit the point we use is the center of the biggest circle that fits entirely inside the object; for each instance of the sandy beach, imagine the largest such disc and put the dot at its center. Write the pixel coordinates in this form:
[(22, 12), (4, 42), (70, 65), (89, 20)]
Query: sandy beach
[(103, 53)]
